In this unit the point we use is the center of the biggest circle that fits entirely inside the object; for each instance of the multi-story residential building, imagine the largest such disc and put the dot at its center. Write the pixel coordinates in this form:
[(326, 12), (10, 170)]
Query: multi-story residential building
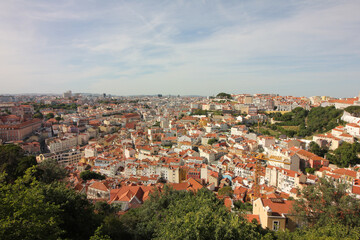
[(353, 129), (17, 132), (62, 144), (64, 158), (274, 213)]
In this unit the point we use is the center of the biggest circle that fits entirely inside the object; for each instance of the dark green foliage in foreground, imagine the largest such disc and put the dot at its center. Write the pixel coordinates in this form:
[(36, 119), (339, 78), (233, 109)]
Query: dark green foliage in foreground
[(327, 200), (77, 216), (330, 231), (30, 209), (49, 171), (239, 205), (87, 175), (24, 213), (185, 215), (14, 161), (325, 211)]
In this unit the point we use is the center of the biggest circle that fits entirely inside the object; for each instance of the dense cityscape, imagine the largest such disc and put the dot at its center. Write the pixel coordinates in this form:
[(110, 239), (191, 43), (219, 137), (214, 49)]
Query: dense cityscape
[(173, 120), (258, 154)]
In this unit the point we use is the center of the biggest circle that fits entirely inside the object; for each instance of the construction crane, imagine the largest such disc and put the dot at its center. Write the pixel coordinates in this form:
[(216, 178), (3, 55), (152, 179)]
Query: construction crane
[(258, 158), (257, 179)]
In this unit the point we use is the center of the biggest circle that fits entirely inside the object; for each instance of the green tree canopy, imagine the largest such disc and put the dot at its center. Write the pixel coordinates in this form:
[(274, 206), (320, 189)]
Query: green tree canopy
[(212, 141), (49, 115), (87, 175), (316, 149), (78, 220), (187, 215), (14, 161), (226, 191), (38, 115), (330, 231), (353, 110), (24, 212), (317, 120), (224, 95), (30, 209), (327, 200), (49, 171), (345, 155)]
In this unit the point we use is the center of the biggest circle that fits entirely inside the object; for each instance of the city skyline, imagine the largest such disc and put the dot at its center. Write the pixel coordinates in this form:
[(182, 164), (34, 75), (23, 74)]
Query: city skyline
[(178, 47)]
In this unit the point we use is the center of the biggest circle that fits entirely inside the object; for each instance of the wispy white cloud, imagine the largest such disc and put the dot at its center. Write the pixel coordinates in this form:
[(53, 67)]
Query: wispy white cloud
[(180, 47)]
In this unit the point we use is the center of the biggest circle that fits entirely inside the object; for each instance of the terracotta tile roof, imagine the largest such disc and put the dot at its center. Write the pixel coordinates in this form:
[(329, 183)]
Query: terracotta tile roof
[(99, 186), (250, 217), (356, 190), (279, 208)]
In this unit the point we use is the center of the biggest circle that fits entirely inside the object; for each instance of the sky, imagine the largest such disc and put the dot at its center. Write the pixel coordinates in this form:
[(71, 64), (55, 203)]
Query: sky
[(194, 47)]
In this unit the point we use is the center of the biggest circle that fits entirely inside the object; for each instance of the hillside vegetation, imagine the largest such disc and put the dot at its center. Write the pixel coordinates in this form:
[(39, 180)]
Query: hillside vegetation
[(317, 120), (353, 110)]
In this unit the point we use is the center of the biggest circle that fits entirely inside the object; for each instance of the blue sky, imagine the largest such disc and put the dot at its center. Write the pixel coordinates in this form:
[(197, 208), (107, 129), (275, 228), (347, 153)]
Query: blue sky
[(290, 47)]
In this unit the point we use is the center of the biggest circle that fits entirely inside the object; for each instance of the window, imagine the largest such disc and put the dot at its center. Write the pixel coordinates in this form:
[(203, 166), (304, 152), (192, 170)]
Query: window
[(276, 225)]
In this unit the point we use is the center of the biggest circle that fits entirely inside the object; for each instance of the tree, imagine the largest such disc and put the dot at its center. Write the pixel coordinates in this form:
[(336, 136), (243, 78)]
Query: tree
[(49, 115), (327, 200), (345, 155), (318, 119), (114, 228), (353, 110), (212, 141), (224, 95), (14, 161), (58, 119), (38, 115), (239, 205), (49, 171), (103, 208), (78, 220), (310, 170), (316, 149), (331, 231), (203, 216), (98, 235), (30, 209), (87, 175), (24, 212), (226, 191), (186, 215)]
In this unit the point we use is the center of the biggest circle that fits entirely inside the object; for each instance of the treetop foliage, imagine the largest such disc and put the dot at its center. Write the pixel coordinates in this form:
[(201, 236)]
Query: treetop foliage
[(224, 95), (327, 200), (14, 161), (353, 110), (345, 155), (88, 175), (187, 215), (317, 120)]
